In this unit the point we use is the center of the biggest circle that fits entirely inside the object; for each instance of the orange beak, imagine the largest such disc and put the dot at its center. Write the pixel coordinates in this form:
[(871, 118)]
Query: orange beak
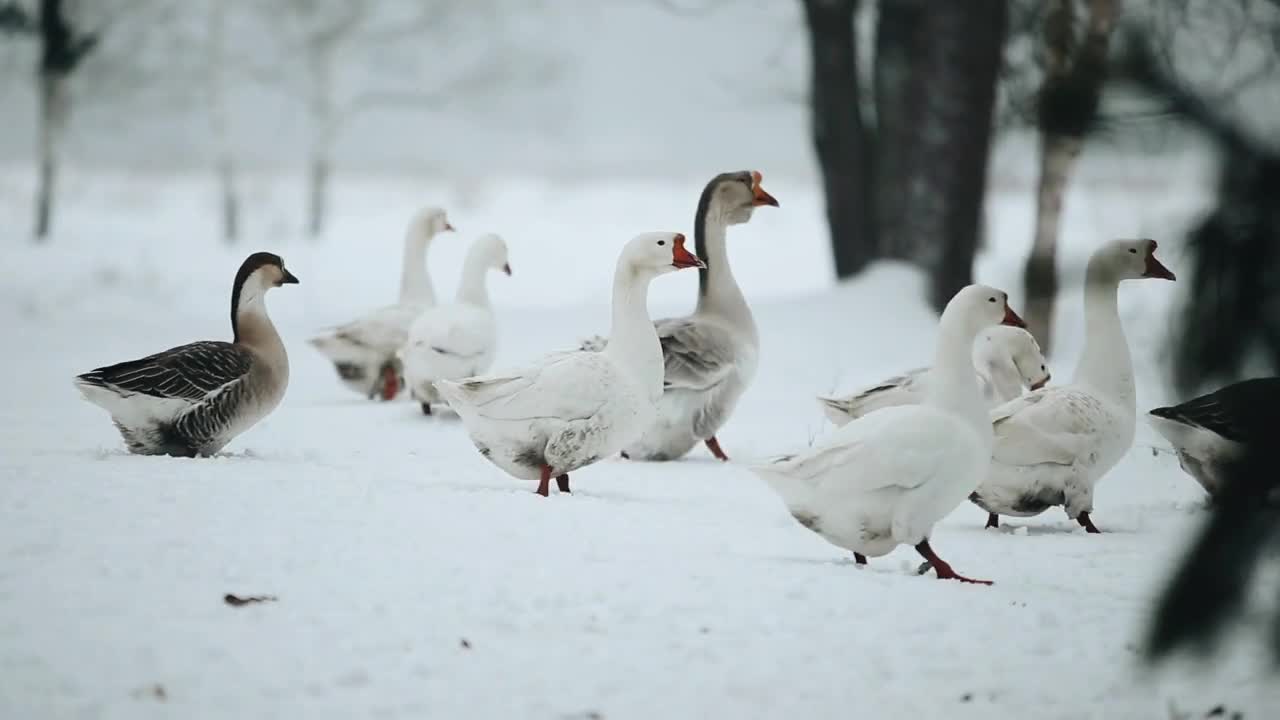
[(1011, 318), (682, 258), (758, 195), (1155, 268)]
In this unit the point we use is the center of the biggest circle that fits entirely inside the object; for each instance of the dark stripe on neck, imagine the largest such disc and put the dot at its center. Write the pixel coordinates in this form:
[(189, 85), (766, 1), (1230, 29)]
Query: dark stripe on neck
[(251, 263)]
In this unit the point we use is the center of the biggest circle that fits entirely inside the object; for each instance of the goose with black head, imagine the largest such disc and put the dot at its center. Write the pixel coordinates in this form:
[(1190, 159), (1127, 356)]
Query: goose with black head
[(710, 357), (193, 399)]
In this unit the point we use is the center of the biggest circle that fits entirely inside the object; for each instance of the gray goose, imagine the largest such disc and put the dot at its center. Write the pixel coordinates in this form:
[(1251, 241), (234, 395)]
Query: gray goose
[(710, 356), (193, 399)]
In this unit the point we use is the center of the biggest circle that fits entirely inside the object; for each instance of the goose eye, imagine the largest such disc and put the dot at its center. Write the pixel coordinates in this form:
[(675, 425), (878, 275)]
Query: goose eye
[(991, 300), (1041, 367), (662, 242)]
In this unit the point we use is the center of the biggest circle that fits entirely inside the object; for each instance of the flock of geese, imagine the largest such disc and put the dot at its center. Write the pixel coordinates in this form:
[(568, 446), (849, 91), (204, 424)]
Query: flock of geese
[(981, 423)]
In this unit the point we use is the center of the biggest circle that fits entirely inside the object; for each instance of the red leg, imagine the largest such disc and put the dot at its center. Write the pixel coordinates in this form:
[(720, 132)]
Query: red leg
[(993, 520), (860, 558), (944, 570), (544, 481), (1086, 523), (390, 382), (714, 446), (562, 482)]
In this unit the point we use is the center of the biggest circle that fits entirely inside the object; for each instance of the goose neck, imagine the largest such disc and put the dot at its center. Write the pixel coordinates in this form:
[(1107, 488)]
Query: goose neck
[(954, 383), (473, 287), (633, 342), (1105, 364), (415, 283), (718, 291)]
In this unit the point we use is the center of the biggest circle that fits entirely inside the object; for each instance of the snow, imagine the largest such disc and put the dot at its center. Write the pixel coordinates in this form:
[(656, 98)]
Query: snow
[(416, 580)]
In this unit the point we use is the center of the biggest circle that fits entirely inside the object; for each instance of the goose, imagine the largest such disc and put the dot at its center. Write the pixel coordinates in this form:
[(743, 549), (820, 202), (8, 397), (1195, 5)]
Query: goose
[(1007, 360), (710, 356), (574, 407), (363, 350), (1053, 445), (884, 479), (456, 340), (1213, 431), (193, 399)]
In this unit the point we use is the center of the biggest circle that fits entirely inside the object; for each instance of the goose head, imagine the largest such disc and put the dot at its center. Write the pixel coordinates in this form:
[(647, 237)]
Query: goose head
[(734, 196), (259, 273), (656, 253), (428, 223), (491, 251), (976, 308), (1006, 346), (1127, 260)]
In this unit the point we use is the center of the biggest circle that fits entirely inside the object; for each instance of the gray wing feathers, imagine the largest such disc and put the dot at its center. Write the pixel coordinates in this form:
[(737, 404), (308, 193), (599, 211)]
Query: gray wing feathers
[(190, 372)]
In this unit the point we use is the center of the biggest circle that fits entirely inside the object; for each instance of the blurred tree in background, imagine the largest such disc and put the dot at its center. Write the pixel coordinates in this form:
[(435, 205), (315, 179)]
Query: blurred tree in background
[(903, 148)]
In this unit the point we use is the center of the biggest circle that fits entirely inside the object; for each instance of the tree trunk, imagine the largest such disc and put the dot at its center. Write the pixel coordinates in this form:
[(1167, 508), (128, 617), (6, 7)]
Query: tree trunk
[(324, 127), (230, 200), (897, 38), (1066, 109), (317, 194), (61, 51), (953, 88), (219, 125), (52, 119), (839, 134)]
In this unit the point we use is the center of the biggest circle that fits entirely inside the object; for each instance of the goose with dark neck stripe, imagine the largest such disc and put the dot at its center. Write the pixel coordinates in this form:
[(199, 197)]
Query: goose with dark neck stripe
[(573, 408), (710, 356), (363, 351), (193, 399)]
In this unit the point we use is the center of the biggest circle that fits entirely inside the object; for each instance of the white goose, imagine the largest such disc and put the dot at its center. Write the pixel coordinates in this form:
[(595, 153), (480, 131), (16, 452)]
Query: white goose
[(1007, 360), (455, 340), (1053, 445), (363, 350), (194, 399), (886, 478), (573, 408), (710, 356)]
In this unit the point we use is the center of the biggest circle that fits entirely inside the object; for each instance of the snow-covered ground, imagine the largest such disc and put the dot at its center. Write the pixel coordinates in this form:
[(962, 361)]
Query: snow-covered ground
[(416, 580)]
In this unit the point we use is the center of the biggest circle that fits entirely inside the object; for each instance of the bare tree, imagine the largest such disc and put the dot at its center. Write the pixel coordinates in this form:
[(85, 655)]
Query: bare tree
[(219, 122), (903, 148), (952, 88), (897, 25), (1066, 109), (63, 48), (329, 30), (840, 136)]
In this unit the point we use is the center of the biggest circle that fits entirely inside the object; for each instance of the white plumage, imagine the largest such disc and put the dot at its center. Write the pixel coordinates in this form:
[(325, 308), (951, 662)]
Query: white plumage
[(363, 351), (458, 339), (1006, 358), (1052, 446), (886, 478), (573, 408)]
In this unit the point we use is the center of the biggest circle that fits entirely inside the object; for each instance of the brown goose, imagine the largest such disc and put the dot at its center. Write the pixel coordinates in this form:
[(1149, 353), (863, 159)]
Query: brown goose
[(193, 399)]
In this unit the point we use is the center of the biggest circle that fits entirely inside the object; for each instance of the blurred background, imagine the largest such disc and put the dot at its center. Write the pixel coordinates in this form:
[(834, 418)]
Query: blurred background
[(891, 127), (147, 146)]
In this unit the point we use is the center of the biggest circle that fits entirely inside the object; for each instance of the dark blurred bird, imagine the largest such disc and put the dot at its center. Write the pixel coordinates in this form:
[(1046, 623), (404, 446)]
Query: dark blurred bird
[(1233, 313), (1209, 432)]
